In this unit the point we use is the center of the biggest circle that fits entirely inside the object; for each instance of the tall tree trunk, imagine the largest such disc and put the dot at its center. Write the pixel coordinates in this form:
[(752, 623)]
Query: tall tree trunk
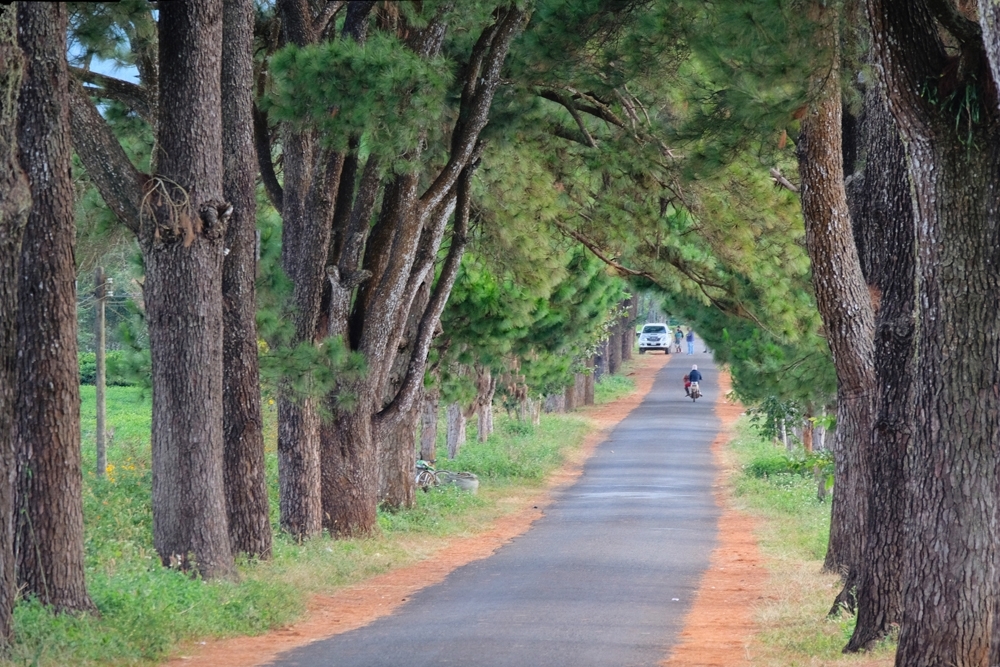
[(398, 462), (588, 387), (397, 442), (182, 232), (570, 393), (49, 505), (428, 426), (627, 325), (486, 386), (246, 486), (614, 351), (843, 301), (299, 467), (883, 217), (601, 361), (456, 429), (350, 474), (953, 158), (15, 203)]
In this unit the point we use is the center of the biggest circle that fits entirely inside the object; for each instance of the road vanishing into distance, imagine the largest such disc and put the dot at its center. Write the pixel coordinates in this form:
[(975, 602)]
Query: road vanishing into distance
[(603, 579)]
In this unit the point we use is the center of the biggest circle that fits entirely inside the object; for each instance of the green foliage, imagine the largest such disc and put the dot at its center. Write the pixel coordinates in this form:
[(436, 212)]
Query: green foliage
[(117, 374), (782, 463), (300, 369), (519, 452), (789, 499), (380, 90), (612, 387)]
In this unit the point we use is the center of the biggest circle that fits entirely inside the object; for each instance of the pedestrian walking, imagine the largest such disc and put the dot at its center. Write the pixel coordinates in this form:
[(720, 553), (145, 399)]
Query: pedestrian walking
[(690, 341)]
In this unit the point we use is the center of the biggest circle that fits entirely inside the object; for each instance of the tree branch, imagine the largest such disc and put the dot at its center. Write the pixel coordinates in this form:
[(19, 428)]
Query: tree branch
[(966, 31), (133, 96), (262, 140), (107, 165), (482, 77), (782, 181), (414, 379), (593, 247), (568, 104)]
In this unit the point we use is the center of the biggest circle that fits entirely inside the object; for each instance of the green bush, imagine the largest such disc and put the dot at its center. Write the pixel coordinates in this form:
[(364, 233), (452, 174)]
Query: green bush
[(780, 463), (118, 369)]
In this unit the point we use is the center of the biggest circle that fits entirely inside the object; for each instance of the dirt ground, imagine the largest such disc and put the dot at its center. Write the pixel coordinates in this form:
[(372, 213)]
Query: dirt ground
[(717, 630)]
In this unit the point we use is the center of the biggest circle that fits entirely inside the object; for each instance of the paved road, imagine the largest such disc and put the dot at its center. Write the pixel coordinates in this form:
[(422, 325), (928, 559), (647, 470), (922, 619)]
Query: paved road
[(604, 579)]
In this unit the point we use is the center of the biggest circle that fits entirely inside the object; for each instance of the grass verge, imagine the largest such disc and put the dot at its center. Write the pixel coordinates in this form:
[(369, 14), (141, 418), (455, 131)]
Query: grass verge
[(146, 610), (792, 531)]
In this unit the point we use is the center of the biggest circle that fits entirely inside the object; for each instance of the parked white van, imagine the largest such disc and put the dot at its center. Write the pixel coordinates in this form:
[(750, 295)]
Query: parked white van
[(654, 336)]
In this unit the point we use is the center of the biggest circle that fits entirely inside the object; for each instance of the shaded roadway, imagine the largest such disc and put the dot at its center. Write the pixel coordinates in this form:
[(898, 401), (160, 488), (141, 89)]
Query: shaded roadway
[(603, 579)]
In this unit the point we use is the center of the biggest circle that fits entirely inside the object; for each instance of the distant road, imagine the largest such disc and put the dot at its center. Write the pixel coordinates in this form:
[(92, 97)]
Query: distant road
[(604, 579)]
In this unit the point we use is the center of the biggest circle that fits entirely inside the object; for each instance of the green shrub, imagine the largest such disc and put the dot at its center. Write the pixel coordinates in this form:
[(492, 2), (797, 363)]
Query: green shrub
[(119, 371)]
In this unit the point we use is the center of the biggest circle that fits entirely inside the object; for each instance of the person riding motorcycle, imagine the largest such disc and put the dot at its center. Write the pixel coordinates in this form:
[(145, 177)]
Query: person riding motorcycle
[(692, 380)]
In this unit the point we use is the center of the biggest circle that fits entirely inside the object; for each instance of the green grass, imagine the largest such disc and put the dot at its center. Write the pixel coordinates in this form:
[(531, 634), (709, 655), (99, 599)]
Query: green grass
[(147, 611), (793, 529), (612, 387)]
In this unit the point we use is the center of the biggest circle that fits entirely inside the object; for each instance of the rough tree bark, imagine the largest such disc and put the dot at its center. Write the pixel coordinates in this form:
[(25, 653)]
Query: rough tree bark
[(614, 351), (428, 426), (588, 387), (486, 386), (49, 480), (843, 302), (182, 229), (883, 220), (15, 203), (944, 101), (246, 486), (570, 401), (456, 429)]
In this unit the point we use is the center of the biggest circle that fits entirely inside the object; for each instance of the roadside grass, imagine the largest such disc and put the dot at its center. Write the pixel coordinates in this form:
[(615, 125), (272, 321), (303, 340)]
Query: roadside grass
[(792, 531), (612, 387), (147, 611)]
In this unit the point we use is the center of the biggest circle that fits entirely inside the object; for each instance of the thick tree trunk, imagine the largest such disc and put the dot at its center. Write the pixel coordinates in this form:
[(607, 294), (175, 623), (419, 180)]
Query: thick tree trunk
[(428, 426), (350, 474), (456, 429), (627, 326), (555, 403), (246, 486), (601, 361), (950, 581), (486, 386), (299, 484), (49, 480), (15, 203), (844, 304), (883, 215), (398, 462), (588, 386), (182, 232), (570, 402), (614, 352)]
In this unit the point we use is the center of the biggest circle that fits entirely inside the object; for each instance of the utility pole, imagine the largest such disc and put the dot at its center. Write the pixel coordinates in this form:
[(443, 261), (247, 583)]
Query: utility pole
[(100, 382)]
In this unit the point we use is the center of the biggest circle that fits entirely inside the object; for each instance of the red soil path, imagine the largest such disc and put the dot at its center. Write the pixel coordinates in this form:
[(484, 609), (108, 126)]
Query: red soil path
[(716, 631)]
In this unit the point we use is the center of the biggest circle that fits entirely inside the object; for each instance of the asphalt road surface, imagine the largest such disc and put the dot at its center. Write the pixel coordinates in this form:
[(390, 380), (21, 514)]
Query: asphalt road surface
[(604, 579)]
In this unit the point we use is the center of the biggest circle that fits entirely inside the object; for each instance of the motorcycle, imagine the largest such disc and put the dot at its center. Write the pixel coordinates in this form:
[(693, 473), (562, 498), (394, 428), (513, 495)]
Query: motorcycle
[(695, 392)]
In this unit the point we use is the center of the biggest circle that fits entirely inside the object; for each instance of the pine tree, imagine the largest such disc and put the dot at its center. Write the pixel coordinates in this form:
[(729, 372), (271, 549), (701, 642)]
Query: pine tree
[(49, 506), (936, 69), (15, 195)]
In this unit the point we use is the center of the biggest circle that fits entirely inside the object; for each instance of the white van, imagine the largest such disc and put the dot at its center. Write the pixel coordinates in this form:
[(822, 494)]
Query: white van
[(654, 336)]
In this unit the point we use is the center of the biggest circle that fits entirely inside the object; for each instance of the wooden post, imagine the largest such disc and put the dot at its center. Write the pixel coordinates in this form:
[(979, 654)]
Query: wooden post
[(100, 381)]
